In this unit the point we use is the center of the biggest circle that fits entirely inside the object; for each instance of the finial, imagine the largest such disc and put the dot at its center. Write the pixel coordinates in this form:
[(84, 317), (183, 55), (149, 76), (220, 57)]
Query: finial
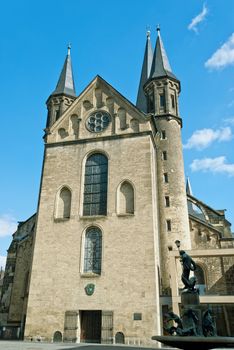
[(158, 28), (68, 48), (148, 31)]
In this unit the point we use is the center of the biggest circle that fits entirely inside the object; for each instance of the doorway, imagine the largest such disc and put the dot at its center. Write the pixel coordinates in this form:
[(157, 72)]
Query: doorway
[(91, 325)]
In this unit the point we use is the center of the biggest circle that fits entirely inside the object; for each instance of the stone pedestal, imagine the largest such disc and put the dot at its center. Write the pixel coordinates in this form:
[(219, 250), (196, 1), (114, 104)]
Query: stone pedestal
[(191, 312)]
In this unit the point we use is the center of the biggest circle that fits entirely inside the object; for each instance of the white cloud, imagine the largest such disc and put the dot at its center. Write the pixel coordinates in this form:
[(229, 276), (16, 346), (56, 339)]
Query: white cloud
[(198, 19), (203, 138), (2, 261), (224, 56), (213, 165), (8, 225)]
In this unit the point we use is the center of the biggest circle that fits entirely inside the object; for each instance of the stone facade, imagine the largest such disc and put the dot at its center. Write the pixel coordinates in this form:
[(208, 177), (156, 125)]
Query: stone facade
[(104, 277), (127, 282)]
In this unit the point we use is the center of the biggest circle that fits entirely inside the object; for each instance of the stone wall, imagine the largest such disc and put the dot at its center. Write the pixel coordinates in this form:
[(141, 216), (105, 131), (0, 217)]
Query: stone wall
[(128, 281)]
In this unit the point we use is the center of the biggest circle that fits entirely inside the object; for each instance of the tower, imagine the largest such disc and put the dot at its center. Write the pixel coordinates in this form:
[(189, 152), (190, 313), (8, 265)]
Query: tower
[(162, 91), (141, 102), (64, 93)]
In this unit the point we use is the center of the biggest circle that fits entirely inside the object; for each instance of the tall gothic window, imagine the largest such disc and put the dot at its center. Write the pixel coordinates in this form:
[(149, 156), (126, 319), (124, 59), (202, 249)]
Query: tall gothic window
[(95, 185), (93, 250)]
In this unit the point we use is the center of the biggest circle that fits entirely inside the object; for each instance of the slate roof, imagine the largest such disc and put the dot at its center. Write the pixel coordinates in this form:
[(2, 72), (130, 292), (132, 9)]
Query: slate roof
[(145, 73), (160, 65), (66, 83)]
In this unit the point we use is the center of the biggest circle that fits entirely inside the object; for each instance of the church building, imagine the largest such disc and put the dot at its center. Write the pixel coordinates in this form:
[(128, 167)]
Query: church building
[(98, 260)]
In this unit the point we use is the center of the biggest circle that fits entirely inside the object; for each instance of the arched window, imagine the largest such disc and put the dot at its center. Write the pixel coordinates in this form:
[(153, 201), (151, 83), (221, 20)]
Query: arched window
[(200, 276), (93, 250), (95, 185), (64, 204), (57, 337), (126, 199), (119, 338)]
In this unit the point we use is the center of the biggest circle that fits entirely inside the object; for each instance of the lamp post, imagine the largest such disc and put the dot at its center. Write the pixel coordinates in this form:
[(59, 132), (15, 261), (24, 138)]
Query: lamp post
[(177, 242)]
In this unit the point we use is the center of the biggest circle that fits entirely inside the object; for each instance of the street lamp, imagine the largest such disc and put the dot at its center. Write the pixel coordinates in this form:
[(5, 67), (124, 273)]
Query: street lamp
[(177, 242)]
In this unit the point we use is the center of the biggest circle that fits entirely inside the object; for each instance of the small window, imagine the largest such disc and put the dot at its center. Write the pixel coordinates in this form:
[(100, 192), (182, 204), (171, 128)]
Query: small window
[(150, 101), (168, 225), (164, 155), (57, 114), (119, 338), (162, 100), (173, 101), (167, 201), (137, 316), (163, 134), (57, 337), (165, 178)]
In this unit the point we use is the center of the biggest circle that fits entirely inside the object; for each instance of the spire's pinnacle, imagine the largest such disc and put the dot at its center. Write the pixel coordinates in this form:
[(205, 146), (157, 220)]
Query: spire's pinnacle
[(65, 83), (145, 72), (69, 49), (160, 66), (188, 187)]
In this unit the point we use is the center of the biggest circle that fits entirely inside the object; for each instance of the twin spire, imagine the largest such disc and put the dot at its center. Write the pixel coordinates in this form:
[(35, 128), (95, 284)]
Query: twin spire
[(145, 73), (66, 83), (154, 66)]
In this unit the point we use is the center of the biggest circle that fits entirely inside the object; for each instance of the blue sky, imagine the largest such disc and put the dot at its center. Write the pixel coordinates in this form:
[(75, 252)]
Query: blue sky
[(108, 38)]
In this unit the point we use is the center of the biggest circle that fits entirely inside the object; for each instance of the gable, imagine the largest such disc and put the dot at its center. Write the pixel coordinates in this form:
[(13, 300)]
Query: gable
[(98, 111)]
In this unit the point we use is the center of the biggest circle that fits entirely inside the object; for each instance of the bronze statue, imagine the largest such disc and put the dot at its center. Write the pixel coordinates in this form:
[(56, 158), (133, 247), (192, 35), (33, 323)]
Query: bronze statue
[(188, 265), (181, 329), (208, 324)]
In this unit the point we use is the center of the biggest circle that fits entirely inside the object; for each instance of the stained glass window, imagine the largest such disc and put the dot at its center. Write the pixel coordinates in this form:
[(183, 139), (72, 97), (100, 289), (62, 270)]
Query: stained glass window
[(95, 185), (93, 250)]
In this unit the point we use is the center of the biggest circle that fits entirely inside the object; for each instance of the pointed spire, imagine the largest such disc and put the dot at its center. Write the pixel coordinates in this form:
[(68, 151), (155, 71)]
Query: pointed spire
[(66, 83), (188, 187), (160, 65), (145, 72)]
